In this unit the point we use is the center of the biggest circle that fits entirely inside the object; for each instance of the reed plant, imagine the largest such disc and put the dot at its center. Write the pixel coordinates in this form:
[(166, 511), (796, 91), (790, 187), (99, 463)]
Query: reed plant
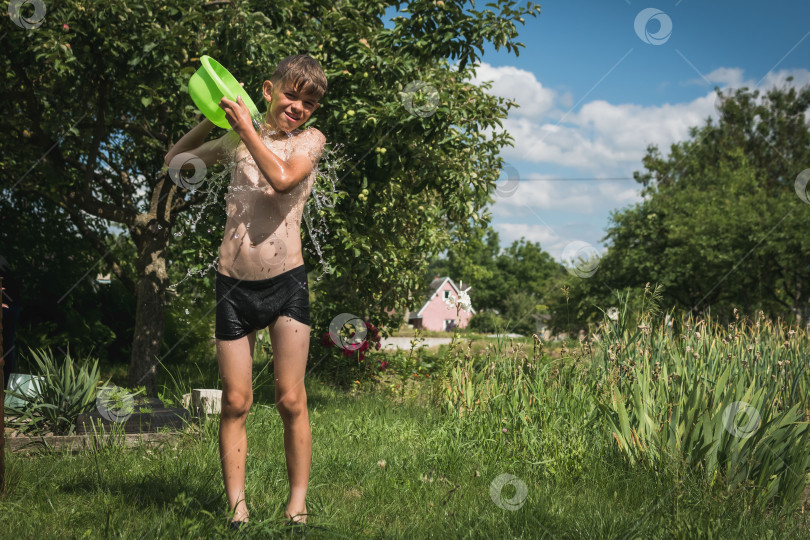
[(727, 403)]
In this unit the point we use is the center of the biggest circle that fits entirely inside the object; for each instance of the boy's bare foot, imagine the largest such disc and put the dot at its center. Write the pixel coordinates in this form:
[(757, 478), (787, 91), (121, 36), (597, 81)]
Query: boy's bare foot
[(242, 517), (297, 517)]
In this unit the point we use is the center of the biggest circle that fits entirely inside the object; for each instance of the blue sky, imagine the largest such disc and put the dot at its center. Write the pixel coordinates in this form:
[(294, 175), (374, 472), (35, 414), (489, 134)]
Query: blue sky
[(594, 94)]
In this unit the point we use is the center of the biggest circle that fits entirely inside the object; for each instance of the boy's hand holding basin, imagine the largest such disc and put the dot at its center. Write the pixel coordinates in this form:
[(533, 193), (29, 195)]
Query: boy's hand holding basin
[(214, 91)]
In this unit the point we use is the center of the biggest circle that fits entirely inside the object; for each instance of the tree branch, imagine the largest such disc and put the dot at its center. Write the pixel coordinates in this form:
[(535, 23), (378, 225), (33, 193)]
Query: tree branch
[(126, 183), (100, 179), (101, 247), (86, 201), (139, 129)]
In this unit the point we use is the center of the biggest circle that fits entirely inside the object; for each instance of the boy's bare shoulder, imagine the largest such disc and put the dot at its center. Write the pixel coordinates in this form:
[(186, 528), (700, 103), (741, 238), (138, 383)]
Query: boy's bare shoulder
[(309, 141), (311, 134)]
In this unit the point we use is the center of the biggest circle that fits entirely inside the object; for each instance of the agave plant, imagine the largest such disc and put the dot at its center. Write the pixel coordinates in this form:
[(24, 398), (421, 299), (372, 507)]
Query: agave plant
[(68, 390)]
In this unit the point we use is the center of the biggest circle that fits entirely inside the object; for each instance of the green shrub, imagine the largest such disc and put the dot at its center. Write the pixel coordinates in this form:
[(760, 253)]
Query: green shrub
[(486, 321), (68, 390)]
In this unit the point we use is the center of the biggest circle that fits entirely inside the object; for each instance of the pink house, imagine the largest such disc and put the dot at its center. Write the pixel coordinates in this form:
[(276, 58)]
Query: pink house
[(435, 313)]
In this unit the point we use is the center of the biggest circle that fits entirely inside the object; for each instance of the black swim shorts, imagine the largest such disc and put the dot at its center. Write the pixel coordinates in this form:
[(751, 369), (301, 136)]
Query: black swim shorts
[(244, 306)]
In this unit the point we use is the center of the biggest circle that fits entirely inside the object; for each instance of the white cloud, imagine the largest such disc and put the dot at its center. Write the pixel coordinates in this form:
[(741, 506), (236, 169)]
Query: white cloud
[(510, 232), (518, 85), (606, 138), (801, 77), (734, 78), (722, 77), (551, 241), (603, 138), (538, 193)]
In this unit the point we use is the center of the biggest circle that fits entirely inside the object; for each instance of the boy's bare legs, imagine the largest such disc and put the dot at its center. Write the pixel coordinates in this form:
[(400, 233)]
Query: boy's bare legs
[(236, 369), (290, 341)]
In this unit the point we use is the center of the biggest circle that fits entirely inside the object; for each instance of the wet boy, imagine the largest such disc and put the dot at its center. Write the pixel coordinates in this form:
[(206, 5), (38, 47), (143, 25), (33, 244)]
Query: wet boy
[(261, 278)]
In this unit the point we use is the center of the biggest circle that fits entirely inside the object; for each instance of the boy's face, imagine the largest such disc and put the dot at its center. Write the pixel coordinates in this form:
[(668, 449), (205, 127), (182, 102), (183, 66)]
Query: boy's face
[(288, 108)]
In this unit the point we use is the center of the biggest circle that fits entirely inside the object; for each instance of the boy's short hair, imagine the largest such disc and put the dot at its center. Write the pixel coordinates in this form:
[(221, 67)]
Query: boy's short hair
[(303, 72)]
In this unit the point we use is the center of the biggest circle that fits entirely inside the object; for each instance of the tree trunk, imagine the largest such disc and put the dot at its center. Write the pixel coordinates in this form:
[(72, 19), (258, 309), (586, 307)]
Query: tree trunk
[(150, 292)]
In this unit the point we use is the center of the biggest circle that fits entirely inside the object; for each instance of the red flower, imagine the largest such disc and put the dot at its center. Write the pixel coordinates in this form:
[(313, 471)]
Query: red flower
[(347, 352), (364, 346), (377, 346), (65, 27), (326, 340)]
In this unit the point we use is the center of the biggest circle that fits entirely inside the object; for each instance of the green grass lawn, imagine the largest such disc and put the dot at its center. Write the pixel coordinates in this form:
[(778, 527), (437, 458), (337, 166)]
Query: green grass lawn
[(503, 439), (436, 482)]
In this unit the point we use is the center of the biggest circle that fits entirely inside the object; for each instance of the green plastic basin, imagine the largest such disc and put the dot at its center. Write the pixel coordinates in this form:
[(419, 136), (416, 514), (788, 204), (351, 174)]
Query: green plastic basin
[(210, 84)]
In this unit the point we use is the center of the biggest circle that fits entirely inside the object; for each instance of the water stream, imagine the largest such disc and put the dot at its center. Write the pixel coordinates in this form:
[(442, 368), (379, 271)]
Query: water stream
[(321, 197)]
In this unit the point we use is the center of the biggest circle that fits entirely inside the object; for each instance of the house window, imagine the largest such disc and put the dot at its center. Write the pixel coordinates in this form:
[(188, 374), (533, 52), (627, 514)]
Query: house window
[(446, 295), (449, 324)]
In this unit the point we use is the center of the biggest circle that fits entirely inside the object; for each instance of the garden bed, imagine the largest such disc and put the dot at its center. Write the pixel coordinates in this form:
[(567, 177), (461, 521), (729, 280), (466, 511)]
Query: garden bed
[(76, 443)]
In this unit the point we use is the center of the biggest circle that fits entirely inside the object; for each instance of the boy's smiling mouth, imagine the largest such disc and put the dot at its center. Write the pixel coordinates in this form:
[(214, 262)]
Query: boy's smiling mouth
[(291, 117)]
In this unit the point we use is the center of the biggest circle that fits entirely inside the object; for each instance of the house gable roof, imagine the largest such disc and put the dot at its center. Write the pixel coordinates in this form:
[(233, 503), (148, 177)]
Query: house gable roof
[(437, 285)]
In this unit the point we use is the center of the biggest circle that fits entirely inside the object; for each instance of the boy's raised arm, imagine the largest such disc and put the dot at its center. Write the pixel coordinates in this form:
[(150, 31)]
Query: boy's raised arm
[(284, 175), (210, 152)]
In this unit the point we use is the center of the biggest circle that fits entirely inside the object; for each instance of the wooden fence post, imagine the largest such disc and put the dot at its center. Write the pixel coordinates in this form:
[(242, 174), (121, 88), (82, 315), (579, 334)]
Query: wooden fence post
[(2, 408)]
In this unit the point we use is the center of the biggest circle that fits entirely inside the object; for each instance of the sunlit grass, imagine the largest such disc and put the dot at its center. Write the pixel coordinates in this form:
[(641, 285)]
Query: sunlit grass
[(418, 463)]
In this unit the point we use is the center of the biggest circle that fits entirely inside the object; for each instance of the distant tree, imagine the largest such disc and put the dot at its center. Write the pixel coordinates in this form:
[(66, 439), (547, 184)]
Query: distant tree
[(512, 281), (721, 224)]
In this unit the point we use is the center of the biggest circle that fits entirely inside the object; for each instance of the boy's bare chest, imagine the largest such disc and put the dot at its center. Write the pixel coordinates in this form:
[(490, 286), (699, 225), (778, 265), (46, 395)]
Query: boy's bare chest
[(281, 147)]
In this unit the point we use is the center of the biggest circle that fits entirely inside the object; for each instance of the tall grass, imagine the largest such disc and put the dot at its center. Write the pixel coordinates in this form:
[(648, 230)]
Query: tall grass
[(728, 401), (724, 403)]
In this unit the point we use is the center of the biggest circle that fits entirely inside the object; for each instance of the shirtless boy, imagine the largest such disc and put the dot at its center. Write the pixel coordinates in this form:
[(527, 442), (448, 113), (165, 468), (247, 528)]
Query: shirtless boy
[(261, 279)]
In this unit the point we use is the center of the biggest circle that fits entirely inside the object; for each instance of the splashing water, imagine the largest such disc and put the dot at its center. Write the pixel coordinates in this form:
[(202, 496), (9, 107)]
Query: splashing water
[(322, 196)]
